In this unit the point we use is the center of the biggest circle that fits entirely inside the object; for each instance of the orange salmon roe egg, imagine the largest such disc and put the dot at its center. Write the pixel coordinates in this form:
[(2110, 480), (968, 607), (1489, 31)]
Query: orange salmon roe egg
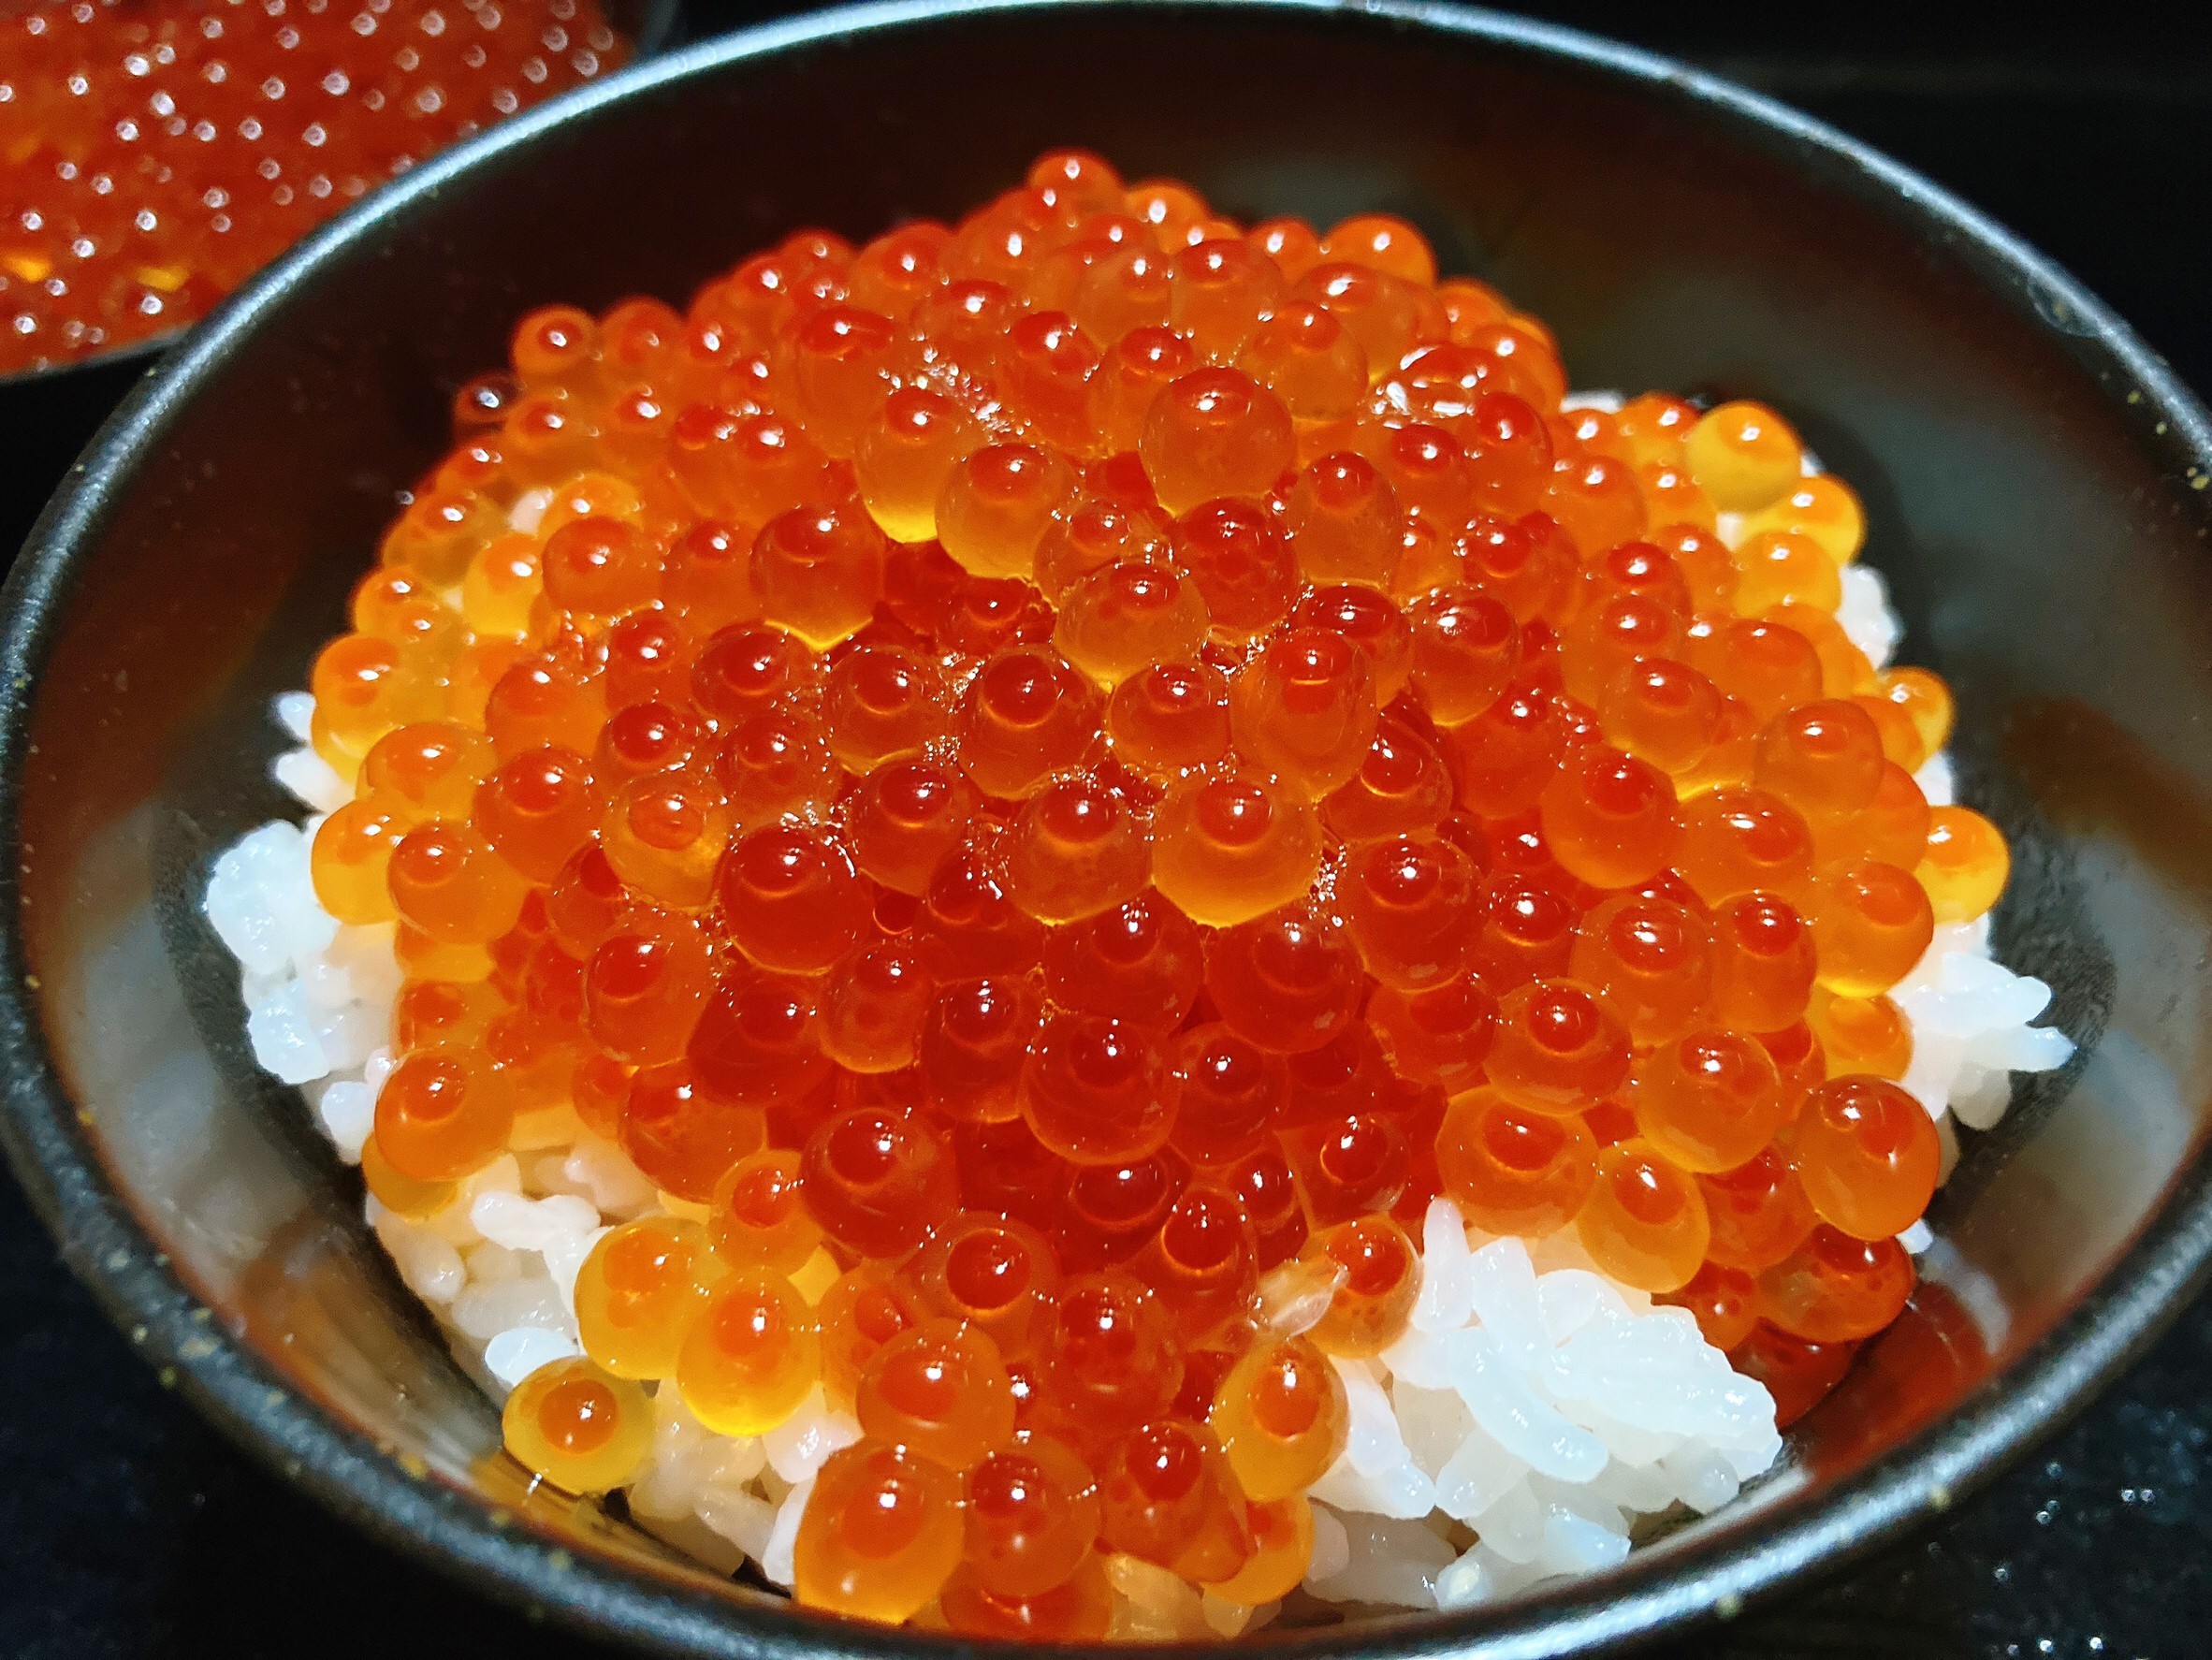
[(1031, 1512), (1557, 1048), (1067, 776), (1167, 1496), (1644, 1222), (1867, 1156), (1226, 850), (880, 1535), (578, 1426), (1834, 1289), (1709, 1100), (442, 1113), (757, 1217), (1870, 922), (1214, 432), (1281, 1417), (1382, 1277), (1963, 866), (1743, 455), (753, 1352), (1512, 1170), (638, 1293), (1823, 509), (939, 1390)]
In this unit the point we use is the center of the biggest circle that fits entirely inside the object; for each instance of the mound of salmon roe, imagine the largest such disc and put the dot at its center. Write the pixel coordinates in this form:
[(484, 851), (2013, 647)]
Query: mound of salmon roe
[(158, 155), (1082, 769)]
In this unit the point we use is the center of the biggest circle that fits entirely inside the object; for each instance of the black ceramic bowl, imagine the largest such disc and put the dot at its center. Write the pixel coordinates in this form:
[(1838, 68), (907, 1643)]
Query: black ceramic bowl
[(50, 412), (2034, 481)]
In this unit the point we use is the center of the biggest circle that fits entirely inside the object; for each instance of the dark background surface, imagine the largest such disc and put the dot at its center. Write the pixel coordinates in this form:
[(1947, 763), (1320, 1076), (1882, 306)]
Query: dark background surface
[(129, 1528)]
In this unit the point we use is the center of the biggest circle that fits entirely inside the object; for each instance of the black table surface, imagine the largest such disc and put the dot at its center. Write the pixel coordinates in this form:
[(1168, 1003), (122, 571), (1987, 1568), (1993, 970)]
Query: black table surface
[(127, 1527)]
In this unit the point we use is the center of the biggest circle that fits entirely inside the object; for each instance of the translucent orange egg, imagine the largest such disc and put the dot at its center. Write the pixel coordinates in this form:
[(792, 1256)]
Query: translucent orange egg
[(1758, 1212), (1861, 1034), (1507, 756), (1611, 819), (1736, 841), (1043, 366), (1926, 701), (1407, 905), (1835, 1289), (1557, 1048), (1228, 849), (758, 1041), (1708, 1100), (441, 1115), (995, 506), (1964, 864), (1306, 711), (1170, 717), (1127, 617), (1075, 849), (1767, 665), (939, 1391), (1764, 963), (1241, 559), (1095, 532), (864, 1307), (1743, 455), (1109, 1360), (875, 1181), (1281, 1417), (1822, 508), (758, 1217), (1725, 1302), (1825, 758), (638, 1293), (994, 1274), (351, 861), (1308, 358), (1026, 714), (1644, 1222), (578, 1427), (904, 456), (904, 819), (1096, 1091), (1031, 1514), (1512, 1170), (968, 923), (880, 1535), (1078, 1609), (1214, 432), (1233, 1091), (1867, 1156), (1401, 788), (1870, 922), (1650, 959), (1289, 979)]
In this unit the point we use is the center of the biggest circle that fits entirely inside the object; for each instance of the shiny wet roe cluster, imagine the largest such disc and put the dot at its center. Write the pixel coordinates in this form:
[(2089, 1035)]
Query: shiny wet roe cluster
[(1053, 783), (153, 155)]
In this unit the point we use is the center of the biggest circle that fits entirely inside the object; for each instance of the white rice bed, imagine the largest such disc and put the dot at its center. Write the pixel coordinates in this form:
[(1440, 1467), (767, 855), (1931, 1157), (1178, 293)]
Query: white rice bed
[(1535, 1415)]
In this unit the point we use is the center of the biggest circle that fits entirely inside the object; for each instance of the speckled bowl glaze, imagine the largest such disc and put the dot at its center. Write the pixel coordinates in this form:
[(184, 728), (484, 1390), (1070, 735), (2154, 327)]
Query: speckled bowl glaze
[(2033, 479)]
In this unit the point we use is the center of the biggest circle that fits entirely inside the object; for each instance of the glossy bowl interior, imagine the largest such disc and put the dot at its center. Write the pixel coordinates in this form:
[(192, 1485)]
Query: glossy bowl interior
[(2033, 483)]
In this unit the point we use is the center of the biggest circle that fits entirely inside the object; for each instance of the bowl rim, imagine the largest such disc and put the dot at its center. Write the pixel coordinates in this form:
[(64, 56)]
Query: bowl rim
[(2142, 1289)]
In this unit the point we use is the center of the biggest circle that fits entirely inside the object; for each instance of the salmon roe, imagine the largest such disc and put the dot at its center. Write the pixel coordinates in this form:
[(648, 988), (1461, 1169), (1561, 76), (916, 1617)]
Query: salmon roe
[(1091, 767), (158, 155)]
